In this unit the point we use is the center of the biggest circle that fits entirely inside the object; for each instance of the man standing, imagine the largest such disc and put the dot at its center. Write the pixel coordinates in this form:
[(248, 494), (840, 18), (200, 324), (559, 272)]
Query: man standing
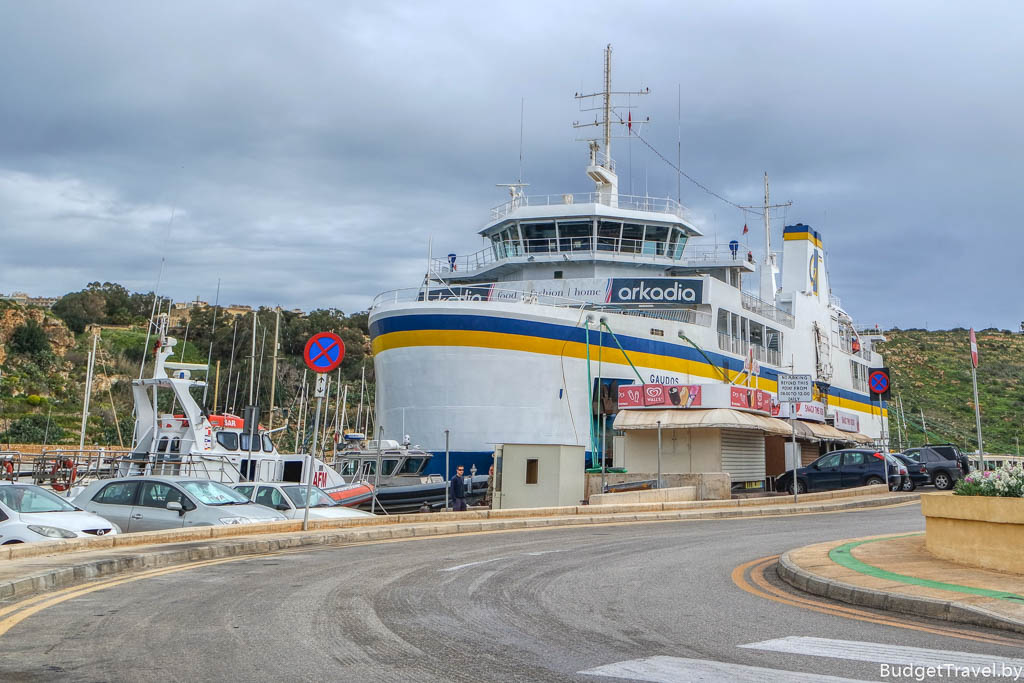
[(458, 486)]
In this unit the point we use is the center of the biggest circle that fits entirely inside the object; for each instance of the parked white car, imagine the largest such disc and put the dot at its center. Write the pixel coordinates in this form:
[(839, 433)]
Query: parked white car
[(149, 503), (29, 513), (287, 498)]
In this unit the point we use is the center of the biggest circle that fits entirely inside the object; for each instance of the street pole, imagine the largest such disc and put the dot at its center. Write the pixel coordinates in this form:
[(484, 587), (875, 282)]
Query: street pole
[(792, 425), (312, 460), (447, 483), (924, 428), (376, 473), (977, 417), (659, 454)]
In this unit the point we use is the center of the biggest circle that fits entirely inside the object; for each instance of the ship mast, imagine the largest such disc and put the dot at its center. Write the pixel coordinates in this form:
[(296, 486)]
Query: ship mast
[(770, 266), (601, 168)]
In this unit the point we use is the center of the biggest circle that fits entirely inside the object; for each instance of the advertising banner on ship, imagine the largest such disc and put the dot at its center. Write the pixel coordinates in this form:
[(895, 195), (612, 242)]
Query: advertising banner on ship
[(655, 290), (674, 291), (459, 293)]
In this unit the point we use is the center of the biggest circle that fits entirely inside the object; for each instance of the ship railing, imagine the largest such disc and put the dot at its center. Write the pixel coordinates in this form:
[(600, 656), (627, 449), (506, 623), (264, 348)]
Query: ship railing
[(63, 468), (625, 249), (691, 316), (490, 292), (495, 293), (763, 308), (621, 201), (741, 347)]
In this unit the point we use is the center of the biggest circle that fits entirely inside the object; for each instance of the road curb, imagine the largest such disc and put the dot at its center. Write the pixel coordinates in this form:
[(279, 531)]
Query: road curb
[(945, 610), (127, 559)]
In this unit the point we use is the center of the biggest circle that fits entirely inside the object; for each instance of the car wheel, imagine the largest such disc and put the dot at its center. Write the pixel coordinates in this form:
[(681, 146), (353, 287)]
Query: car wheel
[(12, 542), (943, 482), (909, 485), (800, 487), (873, 481)]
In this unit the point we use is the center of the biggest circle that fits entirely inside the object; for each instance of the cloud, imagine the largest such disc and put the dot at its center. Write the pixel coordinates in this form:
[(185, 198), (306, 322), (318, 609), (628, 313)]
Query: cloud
[(310, 151)]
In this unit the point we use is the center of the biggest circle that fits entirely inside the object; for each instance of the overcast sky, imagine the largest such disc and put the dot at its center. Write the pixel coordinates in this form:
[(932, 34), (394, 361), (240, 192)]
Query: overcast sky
[(304, 152)]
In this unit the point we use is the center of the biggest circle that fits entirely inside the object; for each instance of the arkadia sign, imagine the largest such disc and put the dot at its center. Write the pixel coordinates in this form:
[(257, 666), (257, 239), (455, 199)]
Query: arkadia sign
[(655, 290)]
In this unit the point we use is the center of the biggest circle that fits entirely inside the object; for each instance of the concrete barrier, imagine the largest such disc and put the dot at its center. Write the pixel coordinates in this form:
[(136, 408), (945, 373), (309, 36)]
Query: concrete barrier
[(667, 495), (979, 531), (192, 534)]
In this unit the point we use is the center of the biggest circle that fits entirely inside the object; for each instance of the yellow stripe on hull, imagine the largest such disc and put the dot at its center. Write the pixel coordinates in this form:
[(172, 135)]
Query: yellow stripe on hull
[(557, 347)]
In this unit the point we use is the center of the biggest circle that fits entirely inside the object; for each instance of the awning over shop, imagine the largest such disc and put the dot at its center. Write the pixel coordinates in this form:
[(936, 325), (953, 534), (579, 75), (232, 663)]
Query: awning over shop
[(818, 431), (715, 418)]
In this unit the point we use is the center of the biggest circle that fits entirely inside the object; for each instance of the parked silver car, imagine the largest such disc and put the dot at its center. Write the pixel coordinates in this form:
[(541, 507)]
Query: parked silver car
[(148, 503), (288, 498)]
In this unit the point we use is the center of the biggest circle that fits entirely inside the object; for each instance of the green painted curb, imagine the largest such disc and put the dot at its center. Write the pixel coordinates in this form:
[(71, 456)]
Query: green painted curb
[(843, 556)]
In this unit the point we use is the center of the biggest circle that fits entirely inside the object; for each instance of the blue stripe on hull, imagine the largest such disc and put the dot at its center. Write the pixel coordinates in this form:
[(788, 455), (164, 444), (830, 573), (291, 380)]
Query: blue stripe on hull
[(531, 328)]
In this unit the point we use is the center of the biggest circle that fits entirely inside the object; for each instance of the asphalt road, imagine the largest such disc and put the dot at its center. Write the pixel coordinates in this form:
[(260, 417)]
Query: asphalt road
[(518, 606)]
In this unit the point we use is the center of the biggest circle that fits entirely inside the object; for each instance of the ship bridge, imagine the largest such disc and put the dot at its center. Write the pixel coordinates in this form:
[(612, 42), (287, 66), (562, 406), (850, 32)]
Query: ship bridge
[(589, 229)]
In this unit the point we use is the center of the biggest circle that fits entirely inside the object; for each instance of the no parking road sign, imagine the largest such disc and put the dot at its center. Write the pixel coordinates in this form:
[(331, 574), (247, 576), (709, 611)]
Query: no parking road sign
[(878, 381), (324, 352)]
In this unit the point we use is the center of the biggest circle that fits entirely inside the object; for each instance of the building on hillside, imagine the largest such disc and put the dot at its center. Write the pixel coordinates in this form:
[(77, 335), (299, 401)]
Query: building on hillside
[(25, 300)]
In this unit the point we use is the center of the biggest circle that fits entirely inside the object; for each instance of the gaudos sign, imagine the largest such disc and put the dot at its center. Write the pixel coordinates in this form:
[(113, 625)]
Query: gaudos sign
[(655, 290)]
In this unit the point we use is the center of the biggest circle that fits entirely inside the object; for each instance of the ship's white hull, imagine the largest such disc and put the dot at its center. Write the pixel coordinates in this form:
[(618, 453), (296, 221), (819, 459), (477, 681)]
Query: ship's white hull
[(493, 373)]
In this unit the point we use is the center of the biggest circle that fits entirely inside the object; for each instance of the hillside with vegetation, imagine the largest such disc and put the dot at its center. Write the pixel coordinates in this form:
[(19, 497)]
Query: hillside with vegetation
[(44, 356), (43, 359), (931, 372)]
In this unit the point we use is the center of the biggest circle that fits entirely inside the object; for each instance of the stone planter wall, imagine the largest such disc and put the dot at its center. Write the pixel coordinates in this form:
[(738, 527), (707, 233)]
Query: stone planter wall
[(980, 531)]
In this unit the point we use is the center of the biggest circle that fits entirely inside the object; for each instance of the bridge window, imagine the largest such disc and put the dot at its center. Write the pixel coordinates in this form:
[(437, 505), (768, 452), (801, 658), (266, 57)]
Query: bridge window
[(229, 440), (608, 235), (632, 238), (675, 244), (655, 239), (575, 235), (539, 237)]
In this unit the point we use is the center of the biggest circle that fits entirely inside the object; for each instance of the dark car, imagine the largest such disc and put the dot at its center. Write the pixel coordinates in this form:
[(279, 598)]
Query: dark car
[(949, 450), (943, 471), (916, 471), (843, 469)]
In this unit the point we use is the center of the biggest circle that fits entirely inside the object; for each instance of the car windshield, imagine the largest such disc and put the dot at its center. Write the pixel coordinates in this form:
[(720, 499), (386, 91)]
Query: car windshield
[(213, 493), (33, 499), (317, 497)]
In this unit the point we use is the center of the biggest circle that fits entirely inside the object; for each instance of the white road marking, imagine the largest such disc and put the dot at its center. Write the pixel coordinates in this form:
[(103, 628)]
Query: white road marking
[(495, 559), (663, 669), (883, 654), (470, 564)]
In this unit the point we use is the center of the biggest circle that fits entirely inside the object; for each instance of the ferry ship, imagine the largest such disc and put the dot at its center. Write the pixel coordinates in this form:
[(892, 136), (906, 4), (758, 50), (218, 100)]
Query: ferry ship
[(526, 340)]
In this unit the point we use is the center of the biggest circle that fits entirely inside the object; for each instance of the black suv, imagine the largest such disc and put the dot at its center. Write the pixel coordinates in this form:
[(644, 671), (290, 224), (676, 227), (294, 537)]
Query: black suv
[(943, 465)]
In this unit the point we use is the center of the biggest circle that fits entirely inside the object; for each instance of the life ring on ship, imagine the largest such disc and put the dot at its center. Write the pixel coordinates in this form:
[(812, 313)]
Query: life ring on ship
[(9, 469), (56, 485)]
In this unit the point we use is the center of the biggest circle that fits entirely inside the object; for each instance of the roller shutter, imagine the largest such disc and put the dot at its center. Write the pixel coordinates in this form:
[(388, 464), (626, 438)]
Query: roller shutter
[(743, 454), (809, 452)]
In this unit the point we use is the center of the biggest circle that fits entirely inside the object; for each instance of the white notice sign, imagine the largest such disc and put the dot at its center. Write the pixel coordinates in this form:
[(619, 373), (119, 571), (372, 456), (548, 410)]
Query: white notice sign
[(321, 386), (795, 388)]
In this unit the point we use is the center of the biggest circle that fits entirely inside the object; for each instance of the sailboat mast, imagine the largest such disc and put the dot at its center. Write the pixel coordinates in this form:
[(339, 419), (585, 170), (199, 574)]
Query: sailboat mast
[(88, 390), (252, 359), (273, 370)]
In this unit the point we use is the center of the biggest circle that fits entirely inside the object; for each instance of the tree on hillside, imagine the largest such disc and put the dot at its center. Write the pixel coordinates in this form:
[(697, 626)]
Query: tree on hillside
[(30, 339), (79, 309)]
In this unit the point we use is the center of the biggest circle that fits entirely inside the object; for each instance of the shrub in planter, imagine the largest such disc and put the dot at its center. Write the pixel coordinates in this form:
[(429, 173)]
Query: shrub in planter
[(1005, 482)]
